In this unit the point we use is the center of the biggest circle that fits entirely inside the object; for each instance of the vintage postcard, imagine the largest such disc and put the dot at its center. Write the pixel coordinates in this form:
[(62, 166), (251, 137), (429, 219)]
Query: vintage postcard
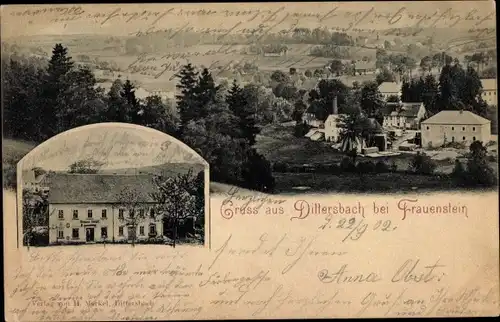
[(250, 160)]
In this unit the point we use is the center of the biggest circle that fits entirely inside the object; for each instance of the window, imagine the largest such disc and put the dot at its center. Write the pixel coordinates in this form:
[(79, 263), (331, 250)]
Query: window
[(104, 232), (427, 128), (60, 234), (452, 139), (141, 230), (75, 214), (76, 233), (120, 213), (61, 214), (474, 138), (463, 138), (89, 213), (120, 231), (452, 128), (132, 213), (152, 212), (463, 128), (152, 229), (473, 128), (141, 212), (104, 214)]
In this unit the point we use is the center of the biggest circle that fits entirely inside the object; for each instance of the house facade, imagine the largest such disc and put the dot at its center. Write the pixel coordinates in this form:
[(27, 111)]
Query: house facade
[(90, 208), (34, 181), (404, 116), (455, 126), (311, 120), (365, 68), (332, 129), (388, 89), (489, 93)]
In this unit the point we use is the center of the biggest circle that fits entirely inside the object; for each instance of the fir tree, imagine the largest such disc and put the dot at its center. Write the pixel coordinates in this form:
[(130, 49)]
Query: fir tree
[(188, 81), (244, 108), (430, 94), (54, 85), (132, 107)]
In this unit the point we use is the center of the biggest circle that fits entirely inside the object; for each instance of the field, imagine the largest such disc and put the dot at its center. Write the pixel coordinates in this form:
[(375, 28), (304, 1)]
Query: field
[(278, 144), (293, 183)]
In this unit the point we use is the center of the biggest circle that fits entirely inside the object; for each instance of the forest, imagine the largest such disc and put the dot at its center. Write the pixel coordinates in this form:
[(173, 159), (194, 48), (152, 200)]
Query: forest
[(219, 121)]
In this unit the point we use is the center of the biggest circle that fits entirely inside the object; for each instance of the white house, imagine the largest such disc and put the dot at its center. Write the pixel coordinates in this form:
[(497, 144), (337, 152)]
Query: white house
[(489, 93), (332, 129), (389, 89), (455, 126), (89, 208), (34, 180), (404, 115), (311, 120)]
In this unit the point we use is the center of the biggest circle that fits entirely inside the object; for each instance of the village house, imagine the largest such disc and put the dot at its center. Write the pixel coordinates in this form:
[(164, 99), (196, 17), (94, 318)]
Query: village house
[(489, 93), (404, 115), (33, 179), (89, 208), (390, 89), (455, 126), (332, 129), (365, 68), (311, 120)]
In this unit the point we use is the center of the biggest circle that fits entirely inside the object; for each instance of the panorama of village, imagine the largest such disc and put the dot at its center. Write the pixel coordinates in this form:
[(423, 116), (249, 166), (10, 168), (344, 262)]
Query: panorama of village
[(321, 109)]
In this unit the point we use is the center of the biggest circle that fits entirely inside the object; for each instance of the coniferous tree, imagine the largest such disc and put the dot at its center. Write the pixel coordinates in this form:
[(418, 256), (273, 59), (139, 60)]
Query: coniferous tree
[(54, 85), (188, 80), (244, 109), (116, 111), (430, 94), (131, 106), (205, 93)]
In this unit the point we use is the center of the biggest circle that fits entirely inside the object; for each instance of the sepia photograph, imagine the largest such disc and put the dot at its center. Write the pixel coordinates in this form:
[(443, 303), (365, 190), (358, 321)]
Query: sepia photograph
[(250, 160), (88, 205), (305, 109)]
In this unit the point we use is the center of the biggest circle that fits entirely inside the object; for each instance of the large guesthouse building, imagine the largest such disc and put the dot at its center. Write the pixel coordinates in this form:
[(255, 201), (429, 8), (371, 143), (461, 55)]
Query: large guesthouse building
[(455, 126), (90, 208)]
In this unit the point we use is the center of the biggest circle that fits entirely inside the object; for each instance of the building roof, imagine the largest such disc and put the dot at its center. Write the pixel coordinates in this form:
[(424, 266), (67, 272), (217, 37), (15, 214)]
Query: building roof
[(402, 109), (97, 188), (456, 117), (389, 87), (410, 109), (333, 117), (489, 84), (365, 65)]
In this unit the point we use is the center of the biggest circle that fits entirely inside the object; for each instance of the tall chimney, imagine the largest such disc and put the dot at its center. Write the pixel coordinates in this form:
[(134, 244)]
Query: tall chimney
[(335, 107)]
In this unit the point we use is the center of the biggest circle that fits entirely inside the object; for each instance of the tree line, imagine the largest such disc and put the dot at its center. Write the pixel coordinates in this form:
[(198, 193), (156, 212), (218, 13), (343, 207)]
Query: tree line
[(456, 88), (40, 102)]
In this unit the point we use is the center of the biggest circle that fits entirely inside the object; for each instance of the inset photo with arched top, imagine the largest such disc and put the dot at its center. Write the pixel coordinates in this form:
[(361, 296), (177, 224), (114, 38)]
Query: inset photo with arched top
[(112, 183)]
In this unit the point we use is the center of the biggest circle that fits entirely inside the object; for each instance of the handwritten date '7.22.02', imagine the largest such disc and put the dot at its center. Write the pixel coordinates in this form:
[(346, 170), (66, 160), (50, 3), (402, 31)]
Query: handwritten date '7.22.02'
[(356, 227)]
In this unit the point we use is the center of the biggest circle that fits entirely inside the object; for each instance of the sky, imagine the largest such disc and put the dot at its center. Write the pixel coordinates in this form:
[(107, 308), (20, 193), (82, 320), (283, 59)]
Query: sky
[(127, 19), (116, 145)]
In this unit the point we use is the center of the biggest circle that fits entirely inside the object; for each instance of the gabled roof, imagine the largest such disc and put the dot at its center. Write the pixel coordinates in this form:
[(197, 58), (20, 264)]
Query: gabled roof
[(489, 84), (97, 188), (389, 87), (456, 117), (403, 109), (410, 109), (333, 117)]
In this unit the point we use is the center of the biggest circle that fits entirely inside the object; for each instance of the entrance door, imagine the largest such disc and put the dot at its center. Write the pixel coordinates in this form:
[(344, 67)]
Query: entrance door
[(131, 232), (89, 232)]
